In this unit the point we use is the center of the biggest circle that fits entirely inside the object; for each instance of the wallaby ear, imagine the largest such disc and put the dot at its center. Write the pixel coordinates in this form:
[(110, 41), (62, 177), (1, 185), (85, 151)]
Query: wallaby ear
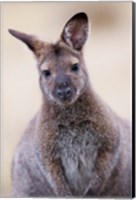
[(75, 31), (31, 41)]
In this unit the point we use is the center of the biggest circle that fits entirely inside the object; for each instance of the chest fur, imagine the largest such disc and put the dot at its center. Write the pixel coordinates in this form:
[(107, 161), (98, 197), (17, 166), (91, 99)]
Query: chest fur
[(77, 149)]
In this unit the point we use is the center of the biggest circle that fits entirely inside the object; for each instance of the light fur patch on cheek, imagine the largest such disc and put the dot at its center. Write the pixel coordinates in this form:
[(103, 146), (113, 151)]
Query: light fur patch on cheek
[(45, 89), (81, 86), (48, 93)]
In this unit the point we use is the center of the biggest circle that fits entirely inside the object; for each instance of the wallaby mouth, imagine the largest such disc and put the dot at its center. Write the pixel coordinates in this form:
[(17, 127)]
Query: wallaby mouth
[(64, 90), (65, 95)]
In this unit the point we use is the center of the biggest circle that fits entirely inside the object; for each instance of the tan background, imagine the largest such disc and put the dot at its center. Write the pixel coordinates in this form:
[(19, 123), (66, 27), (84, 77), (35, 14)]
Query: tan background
[(107, 53)]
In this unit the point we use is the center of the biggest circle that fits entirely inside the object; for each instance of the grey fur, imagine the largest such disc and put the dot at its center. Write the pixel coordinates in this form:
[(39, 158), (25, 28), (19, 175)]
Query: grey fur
[(78, 148)]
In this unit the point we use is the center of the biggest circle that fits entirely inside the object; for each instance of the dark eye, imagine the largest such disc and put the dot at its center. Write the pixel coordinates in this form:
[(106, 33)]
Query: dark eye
[(46, 73), (75, 67)]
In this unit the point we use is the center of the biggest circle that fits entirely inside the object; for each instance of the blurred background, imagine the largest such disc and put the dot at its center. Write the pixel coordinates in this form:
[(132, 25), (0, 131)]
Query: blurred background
[(107, 54)]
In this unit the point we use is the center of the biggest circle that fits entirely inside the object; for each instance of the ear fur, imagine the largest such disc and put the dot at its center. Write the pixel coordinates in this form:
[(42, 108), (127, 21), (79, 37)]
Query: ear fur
[(75, 31), (32, 42)]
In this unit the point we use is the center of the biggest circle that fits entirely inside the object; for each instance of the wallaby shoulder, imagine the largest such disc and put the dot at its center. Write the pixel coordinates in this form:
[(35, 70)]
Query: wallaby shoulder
[(28, 175)]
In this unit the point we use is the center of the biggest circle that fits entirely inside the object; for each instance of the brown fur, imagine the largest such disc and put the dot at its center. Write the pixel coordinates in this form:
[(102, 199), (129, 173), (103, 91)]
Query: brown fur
[(75, 146)]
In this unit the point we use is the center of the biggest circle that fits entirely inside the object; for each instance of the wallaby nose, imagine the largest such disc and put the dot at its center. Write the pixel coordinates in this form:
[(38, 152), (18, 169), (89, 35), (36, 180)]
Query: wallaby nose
[(64, 93)]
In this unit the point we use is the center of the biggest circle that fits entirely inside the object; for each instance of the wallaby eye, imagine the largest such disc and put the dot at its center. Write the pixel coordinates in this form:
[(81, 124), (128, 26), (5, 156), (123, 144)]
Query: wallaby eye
[(46, 73), (75, 67)]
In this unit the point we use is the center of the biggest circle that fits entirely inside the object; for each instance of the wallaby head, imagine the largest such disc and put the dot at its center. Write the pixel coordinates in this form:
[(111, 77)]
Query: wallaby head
[(61, 66)]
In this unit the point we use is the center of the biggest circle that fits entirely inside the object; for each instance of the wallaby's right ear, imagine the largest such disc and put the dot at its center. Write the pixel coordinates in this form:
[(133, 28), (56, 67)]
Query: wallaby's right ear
[(32, 42), (75, 31)]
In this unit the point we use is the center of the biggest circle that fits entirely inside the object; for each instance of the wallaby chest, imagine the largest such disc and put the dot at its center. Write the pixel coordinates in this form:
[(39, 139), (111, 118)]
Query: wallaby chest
[(77, 148)]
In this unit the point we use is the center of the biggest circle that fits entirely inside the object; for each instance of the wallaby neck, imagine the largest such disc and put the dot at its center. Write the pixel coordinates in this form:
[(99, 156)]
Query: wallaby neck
[(79, 110), (88, 107)]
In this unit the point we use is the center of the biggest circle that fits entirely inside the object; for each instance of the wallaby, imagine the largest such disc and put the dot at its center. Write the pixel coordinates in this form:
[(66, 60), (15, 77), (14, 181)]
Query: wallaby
[(75, 146)]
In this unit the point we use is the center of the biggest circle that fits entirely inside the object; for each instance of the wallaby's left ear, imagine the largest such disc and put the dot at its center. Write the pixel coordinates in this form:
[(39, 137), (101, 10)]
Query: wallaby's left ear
[(75, 31)]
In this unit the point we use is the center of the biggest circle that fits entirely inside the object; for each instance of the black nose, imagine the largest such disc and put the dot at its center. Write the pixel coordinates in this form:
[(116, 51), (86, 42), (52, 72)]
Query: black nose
[(64, 93)]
